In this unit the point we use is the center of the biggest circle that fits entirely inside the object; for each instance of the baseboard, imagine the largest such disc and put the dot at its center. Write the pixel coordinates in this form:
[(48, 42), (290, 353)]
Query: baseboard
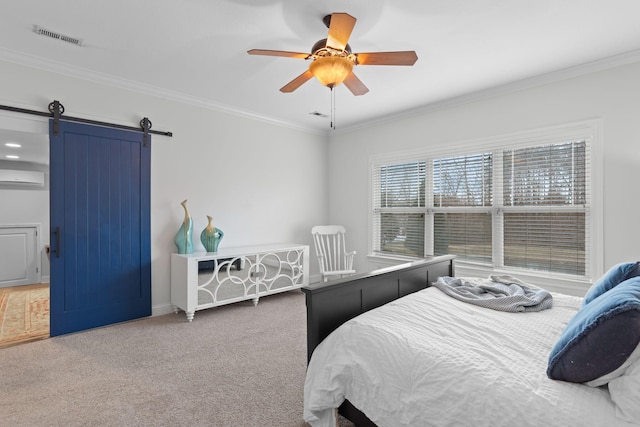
[(159, 310)]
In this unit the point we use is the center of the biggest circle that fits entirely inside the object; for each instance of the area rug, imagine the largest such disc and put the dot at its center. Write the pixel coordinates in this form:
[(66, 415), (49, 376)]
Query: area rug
[(24, 314)]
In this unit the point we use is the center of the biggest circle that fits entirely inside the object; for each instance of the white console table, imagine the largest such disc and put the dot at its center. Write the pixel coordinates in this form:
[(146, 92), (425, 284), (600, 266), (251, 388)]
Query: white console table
[(209, 279)]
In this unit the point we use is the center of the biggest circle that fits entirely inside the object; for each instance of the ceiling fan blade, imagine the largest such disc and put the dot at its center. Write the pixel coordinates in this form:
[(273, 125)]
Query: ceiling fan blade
[(355, 85), (407, 57), (297, 82), (284, 53), (340, 29)]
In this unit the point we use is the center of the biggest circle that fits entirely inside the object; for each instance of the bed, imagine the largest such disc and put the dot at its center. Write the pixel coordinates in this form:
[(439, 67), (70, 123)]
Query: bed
[(444, 362)]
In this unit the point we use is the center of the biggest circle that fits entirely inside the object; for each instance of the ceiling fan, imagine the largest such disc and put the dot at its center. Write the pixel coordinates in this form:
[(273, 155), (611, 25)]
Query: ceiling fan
[(332, 59)]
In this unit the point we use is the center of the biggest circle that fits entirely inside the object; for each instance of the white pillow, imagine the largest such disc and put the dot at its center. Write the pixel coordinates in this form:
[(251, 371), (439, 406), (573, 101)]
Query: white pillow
[(625, 393), (633, 358)]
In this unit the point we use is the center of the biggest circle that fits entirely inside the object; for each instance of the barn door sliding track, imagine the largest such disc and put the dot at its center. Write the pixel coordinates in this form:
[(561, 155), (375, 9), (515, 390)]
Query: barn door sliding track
[(56, 111)]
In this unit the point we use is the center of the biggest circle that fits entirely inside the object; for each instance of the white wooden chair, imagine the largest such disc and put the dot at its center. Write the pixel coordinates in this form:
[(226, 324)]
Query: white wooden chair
[(333, 258)]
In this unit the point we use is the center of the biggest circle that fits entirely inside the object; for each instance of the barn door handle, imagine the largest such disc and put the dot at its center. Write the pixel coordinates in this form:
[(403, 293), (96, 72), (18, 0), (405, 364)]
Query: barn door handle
[(57, 233)]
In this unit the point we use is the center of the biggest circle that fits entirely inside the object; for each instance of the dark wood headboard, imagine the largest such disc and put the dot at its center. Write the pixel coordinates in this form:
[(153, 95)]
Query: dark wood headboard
[(331, 304)]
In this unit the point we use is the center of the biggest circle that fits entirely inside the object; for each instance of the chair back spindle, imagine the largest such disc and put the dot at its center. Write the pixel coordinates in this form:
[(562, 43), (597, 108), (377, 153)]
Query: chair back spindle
[(330, 246)]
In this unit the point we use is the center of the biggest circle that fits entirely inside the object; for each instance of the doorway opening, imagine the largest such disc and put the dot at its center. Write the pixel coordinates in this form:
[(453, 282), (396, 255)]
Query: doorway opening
[(24, 228)]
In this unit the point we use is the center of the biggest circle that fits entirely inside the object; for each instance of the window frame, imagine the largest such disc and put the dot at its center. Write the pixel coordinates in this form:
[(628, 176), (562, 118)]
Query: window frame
[(589, 130)]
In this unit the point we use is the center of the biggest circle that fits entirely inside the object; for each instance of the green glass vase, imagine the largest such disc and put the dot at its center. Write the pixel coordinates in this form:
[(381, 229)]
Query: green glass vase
[(184, 236), (211, 236)]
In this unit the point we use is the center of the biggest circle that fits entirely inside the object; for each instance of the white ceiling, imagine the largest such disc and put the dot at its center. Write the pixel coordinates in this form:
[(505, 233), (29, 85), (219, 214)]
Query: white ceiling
[(195, 50)]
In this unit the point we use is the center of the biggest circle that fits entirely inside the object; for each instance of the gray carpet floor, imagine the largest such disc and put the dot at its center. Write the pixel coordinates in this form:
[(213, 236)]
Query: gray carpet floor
[(236, 365)]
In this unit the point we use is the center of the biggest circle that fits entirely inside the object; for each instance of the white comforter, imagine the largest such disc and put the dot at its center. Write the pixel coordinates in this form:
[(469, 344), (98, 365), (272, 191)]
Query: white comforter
[(430, 360)]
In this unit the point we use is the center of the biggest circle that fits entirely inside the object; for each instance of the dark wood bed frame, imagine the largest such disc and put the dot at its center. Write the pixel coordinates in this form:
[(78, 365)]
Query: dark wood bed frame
[(331, 304)]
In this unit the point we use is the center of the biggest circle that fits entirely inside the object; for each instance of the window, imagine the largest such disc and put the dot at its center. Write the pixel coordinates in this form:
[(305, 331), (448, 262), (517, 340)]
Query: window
[(400, 201), (521, 204), (463, 182), (545, 205)]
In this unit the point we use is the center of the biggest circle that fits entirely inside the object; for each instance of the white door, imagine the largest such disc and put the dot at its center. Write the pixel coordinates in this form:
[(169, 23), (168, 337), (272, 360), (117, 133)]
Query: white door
[(18, 258)]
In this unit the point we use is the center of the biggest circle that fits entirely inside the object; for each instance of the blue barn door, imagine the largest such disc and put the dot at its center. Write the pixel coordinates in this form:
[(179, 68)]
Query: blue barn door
[(100, 226)]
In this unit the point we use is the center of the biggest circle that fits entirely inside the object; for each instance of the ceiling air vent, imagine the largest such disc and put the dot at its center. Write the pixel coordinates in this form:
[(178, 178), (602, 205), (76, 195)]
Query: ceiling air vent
[(52, 34)]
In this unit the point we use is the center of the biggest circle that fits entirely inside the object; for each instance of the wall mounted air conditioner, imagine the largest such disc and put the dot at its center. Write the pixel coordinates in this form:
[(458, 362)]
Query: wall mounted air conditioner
[(8, 176)]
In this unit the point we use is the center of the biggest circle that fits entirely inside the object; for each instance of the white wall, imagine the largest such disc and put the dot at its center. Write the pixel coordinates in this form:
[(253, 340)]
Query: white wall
[(612, 95), (266, 183), (261, 182)]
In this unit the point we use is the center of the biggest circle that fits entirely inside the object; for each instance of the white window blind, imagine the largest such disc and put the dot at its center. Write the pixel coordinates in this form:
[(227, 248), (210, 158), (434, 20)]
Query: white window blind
[(521, 204), (462, 180), (462, 199), (545, 207), (399, 208)]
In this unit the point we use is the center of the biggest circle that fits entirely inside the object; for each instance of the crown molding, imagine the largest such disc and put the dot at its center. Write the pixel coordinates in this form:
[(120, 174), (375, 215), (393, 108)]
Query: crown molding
[(622, 59), (31, 61), (610, 62)]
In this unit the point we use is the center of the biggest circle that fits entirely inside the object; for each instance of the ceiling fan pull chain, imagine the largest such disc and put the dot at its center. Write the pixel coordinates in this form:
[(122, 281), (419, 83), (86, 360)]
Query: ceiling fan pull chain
[(333, 109)]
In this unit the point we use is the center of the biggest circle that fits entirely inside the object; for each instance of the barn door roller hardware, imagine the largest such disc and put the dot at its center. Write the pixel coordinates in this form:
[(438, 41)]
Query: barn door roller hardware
[(56, 110)]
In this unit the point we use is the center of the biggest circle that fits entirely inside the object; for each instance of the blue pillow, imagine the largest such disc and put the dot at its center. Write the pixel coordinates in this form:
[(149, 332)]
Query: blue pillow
[(616, 275), (600, 337)]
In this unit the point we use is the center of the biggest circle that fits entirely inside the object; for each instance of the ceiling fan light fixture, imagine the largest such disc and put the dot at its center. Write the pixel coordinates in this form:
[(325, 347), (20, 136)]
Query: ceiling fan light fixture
[(332, 58), (331, 70)]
